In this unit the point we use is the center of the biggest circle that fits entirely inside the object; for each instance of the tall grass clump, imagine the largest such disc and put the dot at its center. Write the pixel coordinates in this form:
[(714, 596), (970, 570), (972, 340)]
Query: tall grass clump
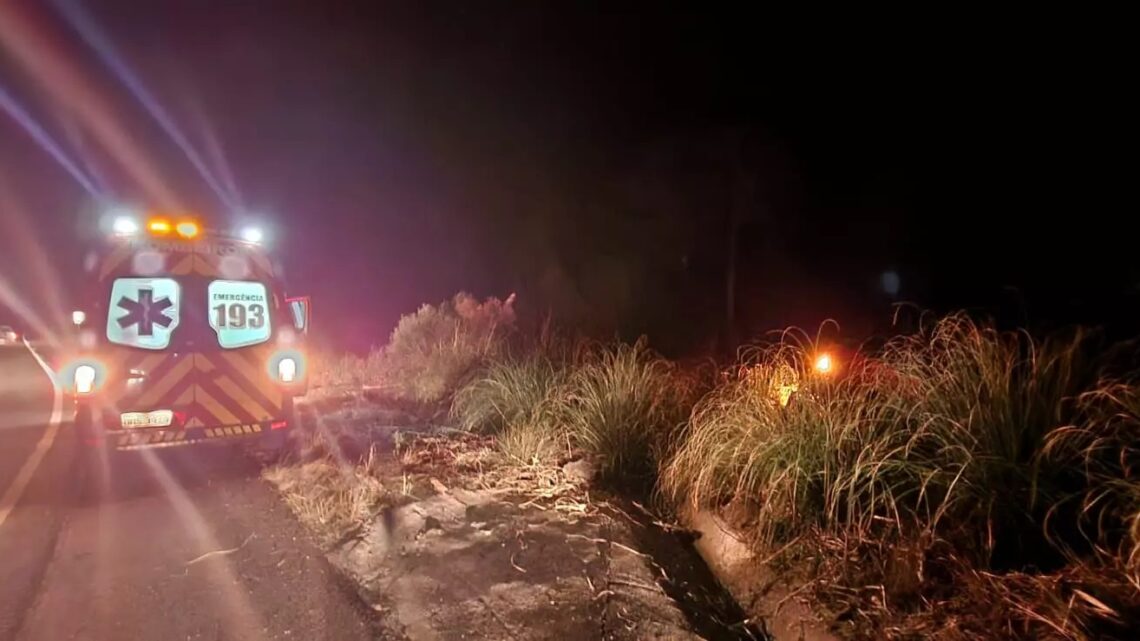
[(798, 447), (985, 402), (623, 404), (1101, 456), (934, 438), (516, 399), (508, 393), (620, 404), (431, 351)]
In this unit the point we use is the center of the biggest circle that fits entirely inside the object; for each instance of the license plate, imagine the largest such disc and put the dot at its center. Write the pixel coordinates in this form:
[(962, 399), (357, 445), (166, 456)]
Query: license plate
[(157, 418)]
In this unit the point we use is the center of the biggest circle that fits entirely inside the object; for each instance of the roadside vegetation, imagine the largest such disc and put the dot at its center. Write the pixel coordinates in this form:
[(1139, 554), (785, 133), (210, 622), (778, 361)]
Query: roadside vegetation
[(958, 482), (429, 353)]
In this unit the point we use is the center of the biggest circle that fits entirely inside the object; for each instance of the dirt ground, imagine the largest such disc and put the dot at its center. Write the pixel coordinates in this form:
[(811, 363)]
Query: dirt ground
[(460, 552)]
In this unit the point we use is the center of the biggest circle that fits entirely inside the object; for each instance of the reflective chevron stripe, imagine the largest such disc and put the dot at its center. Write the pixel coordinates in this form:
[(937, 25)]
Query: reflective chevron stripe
[(255, 375), (208, 403), (149, 438), (155, 392), (185, 265), (245, 392)]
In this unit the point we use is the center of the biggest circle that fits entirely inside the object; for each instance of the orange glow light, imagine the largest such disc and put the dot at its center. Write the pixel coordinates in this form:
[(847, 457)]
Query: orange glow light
[(823, 363), (187, 229), (159, 227)]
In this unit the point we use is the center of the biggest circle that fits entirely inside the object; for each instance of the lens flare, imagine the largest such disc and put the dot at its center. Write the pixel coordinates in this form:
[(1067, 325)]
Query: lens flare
[(252, 235), (84, 379), (49, 145), (124, 226), (187, 229), (95, 38), (823, 363), (69, 88)]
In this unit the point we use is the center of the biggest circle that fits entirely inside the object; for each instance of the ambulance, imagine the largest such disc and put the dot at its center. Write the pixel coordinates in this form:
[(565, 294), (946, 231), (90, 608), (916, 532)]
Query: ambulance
[(189, 338)]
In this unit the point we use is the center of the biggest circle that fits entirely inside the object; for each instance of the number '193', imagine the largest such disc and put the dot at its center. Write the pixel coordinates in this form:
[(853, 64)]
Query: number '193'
[(239, 316)]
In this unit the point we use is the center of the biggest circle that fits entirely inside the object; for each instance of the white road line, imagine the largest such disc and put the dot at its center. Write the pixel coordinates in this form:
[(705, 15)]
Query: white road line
[(20, 483)]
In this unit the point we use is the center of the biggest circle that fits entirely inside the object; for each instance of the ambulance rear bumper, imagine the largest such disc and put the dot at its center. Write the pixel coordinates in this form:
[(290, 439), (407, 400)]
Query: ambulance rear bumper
[(92, 430)]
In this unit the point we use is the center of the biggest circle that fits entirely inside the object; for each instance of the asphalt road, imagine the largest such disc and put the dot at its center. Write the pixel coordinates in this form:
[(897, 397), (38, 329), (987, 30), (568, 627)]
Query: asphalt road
[(172, 545)]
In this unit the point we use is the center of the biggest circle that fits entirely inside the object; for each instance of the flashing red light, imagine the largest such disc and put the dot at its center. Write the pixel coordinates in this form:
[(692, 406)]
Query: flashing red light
[(278, 425)]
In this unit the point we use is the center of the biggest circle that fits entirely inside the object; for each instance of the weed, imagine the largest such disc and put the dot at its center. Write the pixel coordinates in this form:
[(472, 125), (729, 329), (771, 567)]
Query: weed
[(623, 405), (510, 393)]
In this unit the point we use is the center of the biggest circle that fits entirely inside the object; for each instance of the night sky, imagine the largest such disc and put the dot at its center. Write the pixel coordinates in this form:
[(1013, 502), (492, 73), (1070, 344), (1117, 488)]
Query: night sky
[(594, 160)]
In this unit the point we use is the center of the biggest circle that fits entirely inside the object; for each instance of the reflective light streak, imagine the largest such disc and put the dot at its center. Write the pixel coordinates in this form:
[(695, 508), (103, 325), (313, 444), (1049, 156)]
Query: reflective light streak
[(16, 226), (45, 141), (70, 90), (83, 24)]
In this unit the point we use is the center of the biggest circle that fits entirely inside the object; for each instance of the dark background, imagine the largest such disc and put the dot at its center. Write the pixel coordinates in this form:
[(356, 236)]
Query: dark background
[(594, 160)]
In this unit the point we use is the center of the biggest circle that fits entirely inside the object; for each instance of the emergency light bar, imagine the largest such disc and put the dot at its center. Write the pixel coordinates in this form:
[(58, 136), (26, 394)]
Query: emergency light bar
[(126, 226), (252, 235)]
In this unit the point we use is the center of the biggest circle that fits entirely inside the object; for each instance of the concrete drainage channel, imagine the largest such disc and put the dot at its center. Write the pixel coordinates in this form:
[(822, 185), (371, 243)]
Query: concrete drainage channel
[(481, 564), (686, 577), (730, 560), (462, 558)]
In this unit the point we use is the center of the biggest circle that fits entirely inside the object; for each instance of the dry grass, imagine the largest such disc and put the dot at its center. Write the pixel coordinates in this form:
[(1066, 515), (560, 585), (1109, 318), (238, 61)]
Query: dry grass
[(1101, 455), (929, 470), (331, 498), (937, 435), (518, 462)]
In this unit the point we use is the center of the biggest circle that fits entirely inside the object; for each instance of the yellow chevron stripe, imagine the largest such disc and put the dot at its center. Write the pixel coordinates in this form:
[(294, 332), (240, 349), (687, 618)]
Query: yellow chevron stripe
[(239, 397), (184, 266), (149, 362), (209, 265), (118, 364), (244, 368), (203, 364), (258, 378), (154, 393), (186, 398), (212, 406)]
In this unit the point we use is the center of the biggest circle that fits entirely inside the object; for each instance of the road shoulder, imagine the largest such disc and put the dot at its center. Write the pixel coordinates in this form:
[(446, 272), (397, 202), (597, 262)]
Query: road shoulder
[(448, 544), (195, 547)]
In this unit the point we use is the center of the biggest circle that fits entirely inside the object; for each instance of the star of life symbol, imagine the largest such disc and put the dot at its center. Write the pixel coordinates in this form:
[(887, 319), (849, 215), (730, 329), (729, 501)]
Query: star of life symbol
[(145, 312)]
